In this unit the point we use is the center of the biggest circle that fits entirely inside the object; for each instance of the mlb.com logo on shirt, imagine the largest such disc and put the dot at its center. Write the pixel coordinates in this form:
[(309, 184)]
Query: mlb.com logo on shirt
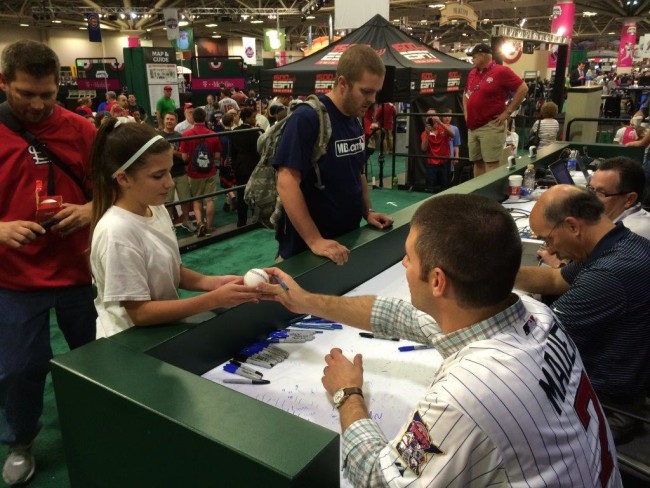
[(348, 147)]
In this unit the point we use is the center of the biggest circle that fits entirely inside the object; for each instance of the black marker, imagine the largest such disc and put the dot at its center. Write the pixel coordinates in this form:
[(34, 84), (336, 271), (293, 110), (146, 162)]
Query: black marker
[(244, 381), (369, 335), (49, 223)]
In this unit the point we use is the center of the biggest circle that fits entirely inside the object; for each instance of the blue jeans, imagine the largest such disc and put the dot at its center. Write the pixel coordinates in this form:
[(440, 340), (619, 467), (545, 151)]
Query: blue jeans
[(25, 350)]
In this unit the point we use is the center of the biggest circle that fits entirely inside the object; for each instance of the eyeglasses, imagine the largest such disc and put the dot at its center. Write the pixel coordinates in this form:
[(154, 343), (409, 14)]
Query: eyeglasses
[(602, 194), (548, 237)]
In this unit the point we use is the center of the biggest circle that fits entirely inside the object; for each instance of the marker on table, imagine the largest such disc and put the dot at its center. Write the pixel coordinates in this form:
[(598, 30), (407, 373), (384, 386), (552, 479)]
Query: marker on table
[(281, 283), (414, 348), (370, 335), (231, 368), (245, 368), (255, 361), (245, 381)]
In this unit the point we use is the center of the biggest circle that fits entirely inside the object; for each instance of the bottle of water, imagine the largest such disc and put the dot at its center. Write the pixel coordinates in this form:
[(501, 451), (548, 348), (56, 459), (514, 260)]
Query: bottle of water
[(529, 180), (571, 164)]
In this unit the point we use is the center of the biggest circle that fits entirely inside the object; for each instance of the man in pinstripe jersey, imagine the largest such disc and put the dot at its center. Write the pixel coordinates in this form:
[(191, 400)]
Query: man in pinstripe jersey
[(510, 405), (605, 294)]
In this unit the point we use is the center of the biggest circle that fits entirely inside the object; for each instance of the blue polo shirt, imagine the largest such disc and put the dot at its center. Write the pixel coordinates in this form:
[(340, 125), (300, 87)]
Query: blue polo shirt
[(338, 207), (607, 313)]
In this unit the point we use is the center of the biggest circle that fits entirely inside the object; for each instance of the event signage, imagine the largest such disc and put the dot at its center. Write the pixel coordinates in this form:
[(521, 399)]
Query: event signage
[(626, 46), (274, 39), (324, 82), (417, 54), (561, 25), (248, 46), (94, 28), (283, 84), (427, 83), (171, 23), (527, 34), (453, 81), (457, 11), (159, 55)]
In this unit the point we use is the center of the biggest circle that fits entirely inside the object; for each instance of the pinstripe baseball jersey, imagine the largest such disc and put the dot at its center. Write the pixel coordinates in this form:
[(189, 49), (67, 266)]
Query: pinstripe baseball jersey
[(510, 405)]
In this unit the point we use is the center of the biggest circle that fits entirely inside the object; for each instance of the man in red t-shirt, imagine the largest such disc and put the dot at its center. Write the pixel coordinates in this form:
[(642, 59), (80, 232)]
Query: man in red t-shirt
[(40, 269), (385, 114), (434, 140), (201, 182), (489, 87)]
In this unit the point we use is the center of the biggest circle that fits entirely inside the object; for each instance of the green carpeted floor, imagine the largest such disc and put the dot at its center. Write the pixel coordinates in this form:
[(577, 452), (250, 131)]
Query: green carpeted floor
[(233, 256)]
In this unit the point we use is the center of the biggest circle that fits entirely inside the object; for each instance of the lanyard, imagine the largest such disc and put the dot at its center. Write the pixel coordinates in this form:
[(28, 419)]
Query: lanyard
[(476, 84)]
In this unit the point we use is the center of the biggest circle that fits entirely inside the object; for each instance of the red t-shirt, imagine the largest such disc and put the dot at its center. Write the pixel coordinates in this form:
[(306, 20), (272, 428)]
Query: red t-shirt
[(438, 144), (385, 114), (51, 260), (486, 93), (368, 118), (188, 147)]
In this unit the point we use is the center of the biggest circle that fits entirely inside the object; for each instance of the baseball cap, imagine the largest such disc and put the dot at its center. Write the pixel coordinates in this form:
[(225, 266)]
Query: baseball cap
[(481, 48), (188, 105), (167, 87)]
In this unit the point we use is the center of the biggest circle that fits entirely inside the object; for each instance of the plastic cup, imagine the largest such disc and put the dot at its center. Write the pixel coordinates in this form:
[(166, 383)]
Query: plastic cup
[(514, 186)]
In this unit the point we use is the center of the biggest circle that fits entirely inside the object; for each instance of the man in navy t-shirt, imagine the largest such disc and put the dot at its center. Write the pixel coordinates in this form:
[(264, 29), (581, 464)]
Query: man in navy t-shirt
[(314, 217)]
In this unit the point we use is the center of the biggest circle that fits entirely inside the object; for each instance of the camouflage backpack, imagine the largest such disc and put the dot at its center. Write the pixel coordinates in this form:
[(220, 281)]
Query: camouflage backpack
[(261, 190)]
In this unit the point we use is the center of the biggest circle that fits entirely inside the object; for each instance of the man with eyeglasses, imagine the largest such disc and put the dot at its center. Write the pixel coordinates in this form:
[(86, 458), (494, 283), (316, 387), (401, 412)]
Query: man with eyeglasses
[(605, 295), (619, 183)]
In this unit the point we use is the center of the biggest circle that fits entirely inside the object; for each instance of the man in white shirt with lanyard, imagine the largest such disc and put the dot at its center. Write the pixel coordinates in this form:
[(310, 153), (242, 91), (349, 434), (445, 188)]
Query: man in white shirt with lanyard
[(510, 405)]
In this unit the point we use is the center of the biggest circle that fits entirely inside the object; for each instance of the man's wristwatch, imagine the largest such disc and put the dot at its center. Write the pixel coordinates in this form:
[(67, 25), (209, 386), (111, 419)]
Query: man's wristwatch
[(341, 395)]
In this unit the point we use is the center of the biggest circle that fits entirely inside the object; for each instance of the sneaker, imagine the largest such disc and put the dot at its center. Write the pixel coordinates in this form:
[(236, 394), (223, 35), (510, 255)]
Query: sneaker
[(189, 226), (202, 230), (19, 466)]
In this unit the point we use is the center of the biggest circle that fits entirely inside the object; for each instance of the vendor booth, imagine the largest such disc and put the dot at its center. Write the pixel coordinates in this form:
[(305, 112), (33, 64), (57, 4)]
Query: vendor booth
[(415, 73)]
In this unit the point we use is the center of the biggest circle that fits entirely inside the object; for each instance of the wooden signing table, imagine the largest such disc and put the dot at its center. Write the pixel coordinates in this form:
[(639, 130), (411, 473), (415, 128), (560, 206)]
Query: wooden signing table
[(135, 412)]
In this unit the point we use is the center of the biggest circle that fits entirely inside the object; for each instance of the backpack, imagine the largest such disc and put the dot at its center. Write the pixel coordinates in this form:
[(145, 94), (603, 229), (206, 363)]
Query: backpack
[(628, 135), (202, 161), (261, 190)]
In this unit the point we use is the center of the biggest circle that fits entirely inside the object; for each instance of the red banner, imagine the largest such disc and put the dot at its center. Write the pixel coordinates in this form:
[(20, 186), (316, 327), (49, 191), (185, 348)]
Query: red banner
[(562, 25)]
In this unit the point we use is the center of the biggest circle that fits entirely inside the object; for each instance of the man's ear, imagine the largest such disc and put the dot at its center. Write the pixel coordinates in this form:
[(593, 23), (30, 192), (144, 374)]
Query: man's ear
[(631, 200), (438, 282)]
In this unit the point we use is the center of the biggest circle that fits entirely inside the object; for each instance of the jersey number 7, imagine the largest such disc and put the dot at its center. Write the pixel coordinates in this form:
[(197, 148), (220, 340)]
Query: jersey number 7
[(584, 394)]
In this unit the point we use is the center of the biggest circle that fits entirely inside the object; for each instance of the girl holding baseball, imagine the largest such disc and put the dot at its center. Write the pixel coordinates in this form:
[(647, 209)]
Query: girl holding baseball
[(134, 256)]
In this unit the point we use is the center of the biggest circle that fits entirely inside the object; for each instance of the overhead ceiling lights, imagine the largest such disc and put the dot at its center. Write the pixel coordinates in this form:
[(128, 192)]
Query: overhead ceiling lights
[(437, 5), (589, 14)]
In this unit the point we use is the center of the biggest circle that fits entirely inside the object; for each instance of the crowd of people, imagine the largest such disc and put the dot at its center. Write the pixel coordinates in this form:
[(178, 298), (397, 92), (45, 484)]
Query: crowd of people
[(517, 398)]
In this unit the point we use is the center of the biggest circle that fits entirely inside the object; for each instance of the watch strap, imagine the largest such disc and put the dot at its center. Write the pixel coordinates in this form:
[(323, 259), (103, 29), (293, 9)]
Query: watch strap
[(348, 392)]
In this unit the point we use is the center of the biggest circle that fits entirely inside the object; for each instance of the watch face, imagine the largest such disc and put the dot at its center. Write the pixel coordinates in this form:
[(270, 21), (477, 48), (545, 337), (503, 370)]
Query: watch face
[(338, 396)]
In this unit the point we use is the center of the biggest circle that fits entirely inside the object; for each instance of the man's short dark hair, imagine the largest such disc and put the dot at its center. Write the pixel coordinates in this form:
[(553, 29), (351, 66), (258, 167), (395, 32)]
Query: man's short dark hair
[(34, 58), (246, 112), (580, 203), (198, 114), (475, 241), (631, 175)]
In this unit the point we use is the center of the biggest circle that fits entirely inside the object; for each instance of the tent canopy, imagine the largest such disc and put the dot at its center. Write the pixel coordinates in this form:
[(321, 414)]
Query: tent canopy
[(412, 68)]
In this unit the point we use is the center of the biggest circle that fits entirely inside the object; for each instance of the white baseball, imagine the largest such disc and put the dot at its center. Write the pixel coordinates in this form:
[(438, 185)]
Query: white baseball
[(256, 276)]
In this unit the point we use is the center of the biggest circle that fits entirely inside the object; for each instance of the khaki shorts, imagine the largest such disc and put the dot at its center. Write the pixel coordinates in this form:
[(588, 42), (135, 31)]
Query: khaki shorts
[(486, 142), (181, 188), (201, 186)]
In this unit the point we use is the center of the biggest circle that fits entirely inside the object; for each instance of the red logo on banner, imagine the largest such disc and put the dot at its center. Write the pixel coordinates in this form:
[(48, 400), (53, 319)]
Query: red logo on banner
[(453, 81), (283, 84), (415, 53), (324, 82), (427, 82)]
